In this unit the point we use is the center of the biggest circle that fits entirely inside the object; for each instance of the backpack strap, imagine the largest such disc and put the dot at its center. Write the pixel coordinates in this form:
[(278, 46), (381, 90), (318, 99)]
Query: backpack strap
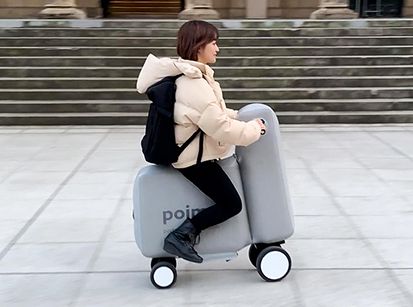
[(188, 141), (201, 148), (201, 144)]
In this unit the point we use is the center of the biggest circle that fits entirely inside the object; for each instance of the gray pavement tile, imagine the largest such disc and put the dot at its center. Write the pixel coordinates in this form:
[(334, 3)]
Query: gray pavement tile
[(293, 162), (64, 230), (332, 163), (320, 227), (111, 160), (7, 130), (19, 209), (406, 278), (83, 177), (314, 205), (80, 140), (49, 290), (352, 182), (92, 191), (349, 288), (398, 253), (400, 187), (125, 141), (218, 288), (49, 166), (9, 228), (61, 154), (299, 128), (122, 229), (36, 177), (395, 174), (387, 163), (26, 191), (50, 130), (86, 129), (121, 256), (16, 154), (314, 155), (126, 129), (341, 128), (28, 140), (386, 127), (80, 209), (319, 140), (7, 166), (372, 227), (4, 175), (373, 151), (375, 205), (331, 254), (32, 258), (301, 183)]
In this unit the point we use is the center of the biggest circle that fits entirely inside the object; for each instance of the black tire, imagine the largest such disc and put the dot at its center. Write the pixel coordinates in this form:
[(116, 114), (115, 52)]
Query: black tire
[(171, 260), (256, 248), (273, 263), (163, 275), (253, 254)]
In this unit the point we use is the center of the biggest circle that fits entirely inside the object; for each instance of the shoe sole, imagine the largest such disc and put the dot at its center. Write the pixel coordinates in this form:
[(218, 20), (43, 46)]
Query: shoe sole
[(170, 248)]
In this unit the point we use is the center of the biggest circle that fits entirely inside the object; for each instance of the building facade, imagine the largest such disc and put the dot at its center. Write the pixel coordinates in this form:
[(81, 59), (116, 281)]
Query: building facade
[(236, 9)]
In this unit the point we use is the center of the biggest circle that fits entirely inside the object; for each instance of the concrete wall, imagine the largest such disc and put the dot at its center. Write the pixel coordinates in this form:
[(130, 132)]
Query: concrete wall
[(408, 8)]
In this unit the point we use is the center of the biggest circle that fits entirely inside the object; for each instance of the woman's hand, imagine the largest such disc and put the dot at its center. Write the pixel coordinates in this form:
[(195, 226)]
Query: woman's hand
[(260, 121)]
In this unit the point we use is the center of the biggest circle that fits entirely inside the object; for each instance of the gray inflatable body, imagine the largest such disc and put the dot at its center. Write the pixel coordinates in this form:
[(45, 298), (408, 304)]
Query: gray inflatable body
[(163, 198)]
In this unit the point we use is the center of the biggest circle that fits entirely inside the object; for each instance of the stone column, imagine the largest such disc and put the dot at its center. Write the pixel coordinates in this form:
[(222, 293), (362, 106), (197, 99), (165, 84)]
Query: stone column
[(198, 9), (256, 9), (66, 9), (333, 9)]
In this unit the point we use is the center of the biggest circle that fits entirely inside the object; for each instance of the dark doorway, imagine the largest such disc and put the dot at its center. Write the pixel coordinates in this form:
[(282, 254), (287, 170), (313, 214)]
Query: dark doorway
[(377, 8)]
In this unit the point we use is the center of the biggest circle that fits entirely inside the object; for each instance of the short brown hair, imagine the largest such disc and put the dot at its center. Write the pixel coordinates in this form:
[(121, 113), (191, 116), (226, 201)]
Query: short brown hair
[(192, 36)]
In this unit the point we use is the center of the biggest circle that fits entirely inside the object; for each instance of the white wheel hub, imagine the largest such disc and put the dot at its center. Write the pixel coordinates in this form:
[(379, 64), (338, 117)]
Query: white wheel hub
[(163, 276), (274, 265)]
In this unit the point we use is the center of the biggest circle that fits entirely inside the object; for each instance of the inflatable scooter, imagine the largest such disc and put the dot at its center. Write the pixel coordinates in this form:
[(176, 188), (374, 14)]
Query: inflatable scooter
[(163, 198)]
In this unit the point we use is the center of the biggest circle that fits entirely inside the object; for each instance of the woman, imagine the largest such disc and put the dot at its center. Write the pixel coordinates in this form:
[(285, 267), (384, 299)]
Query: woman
[(200, 104)]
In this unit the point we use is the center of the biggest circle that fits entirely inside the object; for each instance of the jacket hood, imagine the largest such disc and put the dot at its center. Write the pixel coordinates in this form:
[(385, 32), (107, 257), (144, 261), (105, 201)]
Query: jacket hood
[(155, 69)]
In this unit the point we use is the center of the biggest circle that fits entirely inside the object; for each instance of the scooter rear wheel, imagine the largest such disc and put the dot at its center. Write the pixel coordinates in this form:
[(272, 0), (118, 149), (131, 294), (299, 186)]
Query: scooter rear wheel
[(163, 275)]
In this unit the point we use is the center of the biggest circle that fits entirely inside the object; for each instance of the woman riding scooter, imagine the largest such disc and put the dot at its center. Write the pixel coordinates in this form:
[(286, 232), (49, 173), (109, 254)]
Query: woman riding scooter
[(200, 104)]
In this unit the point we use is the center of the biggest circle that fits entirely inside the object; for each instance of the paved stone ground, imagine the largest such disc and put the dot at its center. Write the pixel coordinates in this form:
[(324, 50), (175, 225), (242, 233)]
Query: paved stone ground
[(66, 235)]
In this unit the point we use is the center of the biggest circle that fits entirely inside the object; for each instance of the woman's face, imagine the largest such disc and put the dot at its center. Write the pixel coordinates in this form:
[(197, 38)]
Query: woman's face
[(208, 54)]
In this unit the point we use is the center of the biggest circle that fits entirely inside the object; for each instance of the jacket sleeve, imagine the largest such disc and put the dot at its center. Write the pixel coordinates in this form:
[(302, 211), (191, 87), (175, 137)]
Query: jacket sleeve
[(217, 123), (232, 113)]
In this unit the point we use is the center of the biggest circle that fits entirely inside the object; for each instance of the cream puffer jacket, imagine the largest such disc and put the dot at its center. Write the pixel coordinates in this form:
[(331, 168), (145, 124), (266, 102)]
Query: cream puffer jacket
[(199, 103)]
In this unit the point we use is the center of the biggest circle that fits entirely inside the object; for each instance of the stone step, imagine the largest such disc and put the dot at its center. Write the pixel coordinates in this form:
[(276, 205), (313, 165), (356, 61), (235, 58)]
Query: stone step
[(324, 117), (224, 51), (249, 71), (223, 32), (224, 41), (229, 93), (231, 23), (243, 82), (100, 61), (132, 106)]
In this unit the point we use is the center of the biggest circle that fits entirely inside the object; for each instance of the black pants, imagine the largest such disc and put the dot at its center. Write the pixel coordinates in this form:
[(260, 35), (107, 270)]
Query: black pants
[(214, 182)]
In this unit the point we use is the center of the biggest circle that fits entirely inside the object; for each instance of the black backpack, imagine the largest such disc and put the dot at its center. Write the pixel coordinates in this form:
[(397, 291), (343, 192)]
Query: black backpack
[(158, 144)]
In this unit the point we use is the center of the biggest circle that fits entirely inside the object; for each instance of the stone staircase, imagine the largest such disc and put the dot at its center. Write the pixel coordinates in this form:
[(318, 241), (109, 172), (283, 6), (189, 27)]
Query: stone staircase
[(67, 72), (144, 8)]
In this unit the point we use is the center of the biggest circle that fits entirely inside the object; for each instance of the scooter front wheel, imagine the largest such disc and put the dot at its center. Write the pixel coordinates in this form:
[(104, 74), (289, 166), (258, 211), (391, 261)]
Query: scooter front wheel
[(273, 263)]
